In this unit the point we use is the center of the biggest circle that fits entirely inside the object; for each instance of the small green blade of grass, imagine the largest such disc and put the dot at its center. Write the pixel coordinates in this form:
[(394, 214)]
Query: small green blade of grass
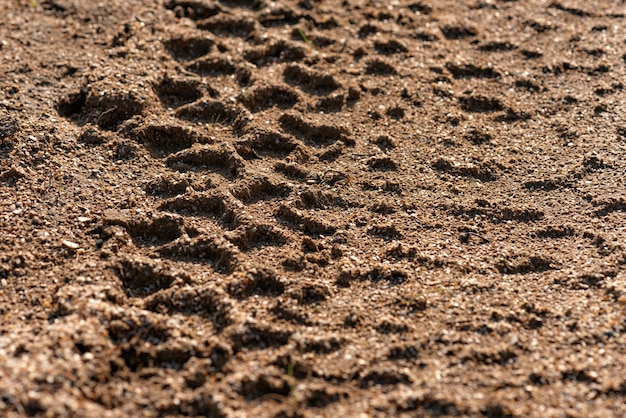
[(292, 385), (305, 38)]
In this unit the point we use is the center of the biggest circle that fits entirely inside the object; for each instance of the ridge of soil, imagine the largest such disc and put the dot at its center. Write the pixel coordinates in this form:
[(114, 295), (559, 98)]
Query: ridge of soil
[(312, 208)]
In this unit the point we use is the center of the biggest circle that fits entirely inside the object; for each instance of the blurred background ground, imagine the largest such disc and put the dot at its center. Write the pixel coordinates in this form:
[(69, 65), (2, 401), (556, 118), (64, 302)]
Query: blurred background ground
[(312, 208)]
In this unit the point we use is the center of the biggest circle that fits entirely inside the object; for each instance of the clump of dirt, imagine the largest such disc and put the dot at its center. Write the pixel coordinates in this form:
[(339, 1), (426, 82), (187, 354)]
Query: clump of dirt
[(306, 208)]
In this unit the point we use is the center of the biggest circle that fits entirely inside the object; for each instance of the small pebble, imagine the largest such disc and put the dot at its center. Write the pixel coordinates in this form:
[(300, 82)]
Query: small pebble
[(71, 245)]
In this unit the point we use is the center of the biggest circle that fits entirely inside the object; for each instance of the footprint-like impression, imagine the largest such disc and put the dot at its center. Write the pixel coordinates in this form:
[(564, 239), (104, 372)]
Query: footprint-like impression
[(497, 46), (525, 264), (142, 276), (228, 25), (187, 48), (278, 51), (175, 92), (269, 143), (313, 132), (264, 96), (390, 47), (480, 104), (257, 189), (312, 82), (212, 66), (380, 67), (279, 15), (220, 253), (205, 301), (484, 171), (162, 140), (104, 106), (146, 231), (193, 9), (308, 224), (320, 199), (458, 31), (222, 159), (208, 111), (257, 235), (471, 71), (219, 206), (258, 281), (165, 186)]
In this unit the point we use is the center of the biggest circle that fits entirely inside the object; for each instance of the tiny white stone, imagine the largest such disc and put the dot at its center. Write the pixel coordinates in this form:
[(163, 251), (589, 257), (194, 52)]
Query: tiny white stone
[(71, 245)]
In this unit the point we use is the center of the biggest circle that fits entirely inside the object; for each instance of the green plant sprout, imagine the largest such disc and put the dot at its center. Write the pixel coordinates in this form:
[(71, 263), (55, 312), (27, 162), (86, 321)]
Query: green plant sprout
[(305, 38), (216, 119), (292, 385)]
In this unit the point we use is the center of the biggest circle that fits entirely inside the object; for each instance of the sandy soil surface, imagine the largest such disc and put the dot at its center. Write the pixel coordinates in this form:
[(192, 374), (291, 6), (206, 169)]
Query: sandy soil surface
[(313, 208)]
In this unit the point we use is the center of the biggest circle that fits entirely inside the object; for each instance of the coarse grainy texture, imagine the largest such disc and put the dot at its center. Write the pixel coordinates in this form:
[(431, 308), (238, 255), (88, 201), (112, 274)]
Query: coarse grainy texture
[(308, 208)]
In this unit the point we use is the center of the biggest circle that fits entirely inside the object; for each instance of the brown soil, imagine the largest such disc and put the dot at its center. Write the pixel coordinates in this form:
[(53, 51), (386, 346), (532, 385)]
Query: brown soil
[(313, 208)]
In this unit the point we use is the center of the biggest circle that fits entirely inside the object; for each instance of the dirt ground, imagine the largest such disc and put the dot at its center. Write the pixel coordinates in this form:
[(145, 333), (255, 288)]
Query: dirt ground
[(309, 208)]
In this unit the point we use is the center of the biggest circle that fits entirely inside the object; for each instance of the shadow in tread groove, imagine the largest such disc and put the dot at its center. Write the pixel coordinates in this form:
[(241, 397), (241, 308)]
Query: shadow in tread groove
[(166, 186), (220, 253), (306, 223), (454, 32), (162, 140), (142, 276), (480, 104), (494, 213), (103, 106), (319, 199), (258, 336), (483, 171), (270, 143), (471, 71), (175, 92), (193, 9), (204, 301), (212, 66), (208, 111), (188, 48), (319, 134), (260, 189), (280, 51), (228, 26), (266, 96), (380, 67), (524, 264), (310, 81), (146, 231), (222, 159), (259, 281), (217, 206), (390, 47), (257, 236)]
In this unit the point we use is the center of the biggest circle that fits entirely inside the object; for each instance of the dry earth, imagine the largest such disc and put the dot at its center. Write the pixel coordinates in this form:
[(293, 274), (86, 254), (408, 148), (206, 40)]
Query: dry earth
[(313, 208)]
